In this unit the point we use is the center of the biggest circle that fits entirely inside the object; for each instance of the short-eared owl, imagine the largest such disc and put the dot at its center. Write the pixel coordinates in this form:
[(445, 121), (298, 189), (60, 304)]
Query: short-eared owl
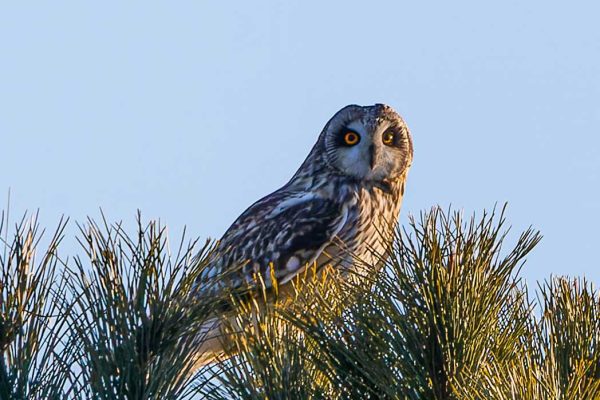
[(339, 206)]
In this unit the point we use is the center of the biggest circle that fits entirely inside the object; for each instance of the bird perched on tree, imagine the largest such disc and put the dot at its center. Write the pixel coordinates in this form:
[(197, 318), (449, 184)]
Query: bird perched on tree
[(339, 207)]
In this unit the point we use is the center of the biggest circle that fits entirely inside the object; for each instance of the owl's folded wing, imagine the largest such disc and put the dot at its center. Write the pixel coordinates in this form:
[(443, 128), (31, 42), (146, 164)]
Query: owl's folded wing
[(285, 233)]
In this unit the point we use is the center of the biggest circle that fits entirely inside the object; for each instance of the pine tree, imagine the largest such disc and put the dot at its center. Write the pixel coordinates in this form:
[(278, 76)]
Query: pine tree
[(447, 317)]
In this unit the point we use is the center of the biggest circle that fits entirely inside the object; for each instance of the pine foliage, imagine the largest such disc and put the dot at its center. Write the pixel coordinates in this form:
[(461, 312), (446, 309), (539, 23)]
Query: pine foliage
[(446, 316)]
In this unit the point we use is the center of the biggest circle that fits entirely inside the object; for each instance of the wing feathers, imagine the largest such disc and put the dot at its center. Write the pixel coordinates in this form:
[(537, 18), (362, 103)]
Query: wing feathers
[(287, 231)]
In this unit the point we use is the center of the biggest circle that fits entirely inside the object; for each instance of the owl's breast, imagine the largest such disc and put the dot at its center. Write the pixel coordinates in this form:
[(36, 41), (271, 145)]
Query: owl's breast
[(368, 234)]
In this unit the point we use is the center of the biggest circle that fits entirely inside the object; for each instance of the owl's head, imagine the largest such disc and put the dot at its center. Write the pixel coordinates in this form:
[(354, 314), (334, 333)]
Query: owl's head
[(367, 143)]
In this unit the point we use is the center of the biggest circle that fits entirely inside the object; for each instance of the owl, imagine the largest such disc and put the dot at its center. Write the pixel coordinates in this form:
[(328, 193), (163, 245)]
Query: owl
[(338, 209)]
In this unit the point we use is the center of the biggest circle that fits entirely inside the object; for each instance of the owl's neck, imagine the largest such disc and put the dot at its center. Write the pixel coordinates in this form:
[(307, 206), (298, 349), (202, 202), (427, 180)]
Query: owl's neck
[(315, 175), (336, 185), (391, 190)]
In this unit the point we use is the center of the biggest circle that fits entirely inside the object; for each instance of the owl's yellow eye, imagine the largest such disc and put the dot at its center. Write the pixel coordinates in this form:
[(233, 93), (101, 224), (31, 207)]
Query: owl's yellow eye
[(388, 138), (351, 138)]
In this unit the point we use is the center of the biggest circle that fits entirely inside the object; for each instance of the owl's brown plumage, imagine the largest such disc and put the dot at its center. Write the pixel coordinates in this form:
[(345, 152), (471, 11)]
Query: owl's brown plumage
[(339, 206)]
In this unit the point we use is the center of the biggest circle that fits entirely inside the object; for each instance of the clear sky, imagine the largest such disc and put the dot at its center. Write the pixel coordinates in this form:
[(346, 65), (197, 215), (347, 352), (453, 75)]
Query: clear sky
[(192, 110)]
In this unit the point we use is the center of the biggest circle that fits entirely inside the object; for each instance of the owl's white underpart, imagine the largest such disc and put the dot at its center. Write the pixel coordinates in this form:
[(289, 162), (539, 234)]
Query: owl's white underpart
[(340, 205)]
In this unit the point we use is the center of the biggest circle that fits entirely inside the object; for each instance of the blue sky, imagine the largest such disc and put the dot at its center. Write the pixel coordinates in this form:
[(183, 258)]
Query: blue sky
[(192, 110)]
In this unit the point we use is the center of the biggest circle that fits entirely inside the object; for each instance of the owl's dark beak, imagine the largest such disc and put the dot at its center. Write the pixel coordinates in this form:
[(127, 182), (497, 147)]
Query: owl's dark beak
[(372, 156)]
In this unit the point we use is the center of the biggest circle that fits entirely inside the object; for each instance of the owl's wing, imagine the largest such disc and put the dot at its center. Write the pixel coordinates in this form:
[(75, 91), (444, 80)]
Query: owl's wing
[(286, 231)]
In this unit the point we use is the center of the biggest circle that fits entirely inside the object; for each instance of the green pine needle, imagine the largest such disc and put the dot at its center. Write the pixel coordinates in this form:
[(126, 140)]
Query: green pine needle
[(445, 316)]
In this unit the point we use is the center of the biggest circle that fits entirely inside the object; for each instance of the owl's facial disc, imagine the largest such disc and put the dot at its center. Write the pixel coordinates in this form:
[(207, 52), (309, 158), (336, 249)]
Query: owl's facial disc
[(356, 159), (368, 143)]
